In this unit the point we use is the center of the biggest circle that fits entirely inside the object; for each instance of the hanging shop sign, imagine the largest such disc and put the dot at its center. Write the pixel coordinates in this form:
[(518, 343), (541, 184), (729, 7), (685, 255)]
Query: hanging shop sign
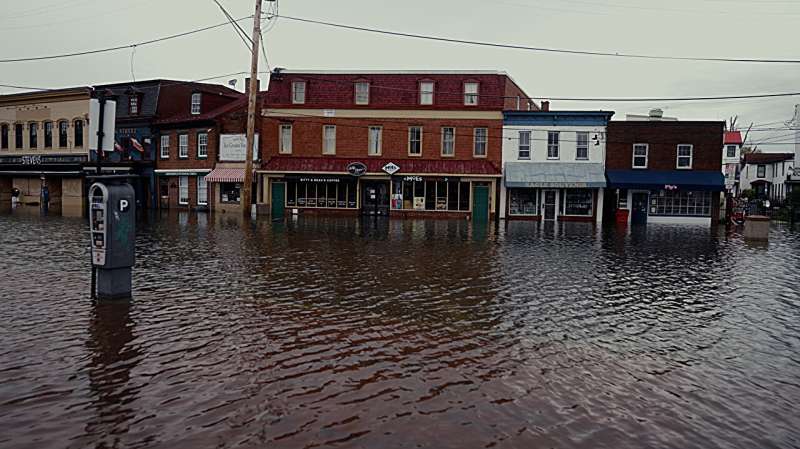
[(356, 169), (391, 168)]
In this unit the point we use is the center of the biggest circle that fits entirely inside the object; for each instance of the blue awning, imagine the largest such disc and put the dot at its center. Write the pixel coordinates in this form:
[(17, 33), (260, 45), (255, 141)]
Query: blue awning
[(713, 181)]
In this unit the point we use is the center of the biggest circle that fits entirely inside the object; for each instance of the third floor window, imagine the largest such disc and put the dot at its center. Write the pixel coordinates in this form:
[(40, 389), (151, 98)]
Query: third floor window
[(299, 92), (362, 93), (470, 94), (197, 98), (426, 92)]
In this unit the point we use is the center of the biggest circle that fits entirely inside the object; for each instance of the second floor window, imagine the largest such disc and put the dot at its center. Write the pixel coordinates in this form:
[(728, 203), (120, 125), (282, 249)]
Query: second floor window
[(448, 141), (684, 156), (552, 145), (415, 141), (640, 155), (183, 146), (202, 145), (524, 145), (33, 130), (470, 94), (285, 140), (481, 136), (133, 105), (77, 129), (165, 147), (18, 131), (4, 136), (63, 127), (375, 138), (761, 171), (362, 93), (48, 134), (582, 149), (730, 151), (298, 92), (426, 92), (329, 139), (197, 98)]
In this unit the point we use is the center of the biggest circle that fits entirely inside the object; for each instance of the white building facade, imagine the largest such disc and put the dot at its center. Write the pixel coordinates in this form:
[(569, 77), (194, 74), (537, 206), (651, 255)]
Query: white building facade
[(554, 165), (766, 174)]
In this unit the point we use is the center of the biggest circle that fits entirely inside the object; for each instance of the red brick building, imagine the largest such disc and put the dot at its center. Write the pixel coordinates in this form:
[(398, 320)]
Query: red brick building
[(385, 143), (193, 118), (664, 171)]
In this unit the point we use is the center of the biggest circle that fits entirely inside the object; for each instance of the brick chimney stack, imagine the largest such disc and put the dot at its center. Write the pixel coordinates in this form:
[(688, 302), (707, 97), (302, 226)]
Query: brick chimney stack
[(247, 86), (545, 106)]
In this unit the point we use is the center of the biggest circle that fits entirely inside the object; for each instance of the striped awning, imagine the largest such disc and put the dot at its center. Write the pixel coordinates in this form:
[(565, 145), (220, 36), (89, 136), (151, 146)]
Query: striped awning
[(225, 175)]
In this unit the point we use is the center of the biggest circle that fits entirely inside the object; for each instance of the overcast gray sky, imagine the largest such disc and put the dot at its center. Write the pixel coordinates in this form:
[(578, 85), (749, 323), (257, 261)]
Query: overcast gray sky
[(714, 28)]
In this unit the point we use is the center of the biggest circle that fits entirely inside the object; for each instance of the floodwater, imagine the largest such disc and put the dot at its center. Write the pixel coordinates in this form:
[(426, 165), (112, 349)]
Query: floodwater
[(337, 332)]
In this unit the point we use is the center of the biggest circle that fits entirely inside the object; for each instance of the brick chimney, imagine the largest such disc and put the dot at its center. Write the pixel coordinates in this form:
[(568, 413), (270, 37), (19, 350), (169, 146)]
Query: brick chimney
[(247, 86), (545, 106)]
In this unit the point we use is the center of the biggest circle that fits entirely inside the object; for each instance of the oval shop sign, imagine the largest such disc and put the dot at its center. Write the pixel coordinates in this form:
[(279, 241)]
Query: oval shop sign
[(356, 168)]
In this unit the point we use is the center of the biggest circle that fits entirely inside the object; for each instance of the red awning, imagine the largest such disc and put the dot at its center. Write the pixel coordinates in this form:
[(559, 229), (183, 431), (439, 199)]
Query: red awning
[(289, 164), (226, 175)]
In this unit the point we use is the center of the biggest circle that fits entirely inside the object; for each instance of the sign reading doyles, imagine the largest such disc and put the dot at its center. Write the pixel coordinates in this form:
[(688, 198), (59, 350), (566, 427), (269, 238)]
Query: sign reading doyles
[(231, 147)]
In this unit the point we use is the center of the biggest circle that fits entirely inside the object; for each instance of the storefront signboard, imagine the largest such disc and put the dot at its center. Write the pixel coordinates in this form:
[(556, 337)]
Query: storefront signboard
[(412, 178), (356, 169), (42, 159), (670, 187), (231, 147)]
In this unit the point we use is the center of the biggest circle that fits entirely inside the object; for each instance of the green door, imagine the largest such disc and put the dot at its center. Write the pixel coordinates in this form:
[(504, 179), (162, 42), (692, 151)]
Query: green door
[(480, 204), (278, 200)]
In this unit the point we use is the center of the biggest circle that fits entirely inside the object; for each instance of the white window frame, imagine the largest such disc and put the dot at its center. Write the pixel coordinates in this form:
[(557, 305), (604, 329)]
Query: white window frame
[(758, 171), (284, 146), (524, 148), (646, 155), (197, 99), (678, 156), (328, 142), (580, 145), (484, 142), (452, 143), (410, 130), (201, 181), (375, 146), (727, 151), (164, 146), (183, 183), (426, 97), (553, 147), (362, 97), (298, 95), (471, 98), (202, 145), (183, 146)]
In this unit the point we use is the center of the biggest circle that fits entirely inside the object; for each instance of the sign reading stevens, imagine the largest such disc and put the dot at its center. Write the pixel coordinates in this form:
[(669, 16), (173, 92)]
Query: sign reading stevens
[(231, 147)]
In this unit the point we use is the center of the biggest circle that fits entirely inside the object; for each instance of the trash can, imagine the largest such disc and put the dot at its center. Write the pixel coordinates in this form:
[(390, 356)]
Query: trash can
[(622, 216)]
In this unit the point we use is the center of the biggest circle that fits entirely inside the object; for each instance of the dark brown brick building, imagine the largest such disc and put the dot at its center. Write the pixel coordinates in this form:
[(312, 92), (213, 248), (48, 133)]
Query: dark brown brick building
[(385, 143), (665, 171)]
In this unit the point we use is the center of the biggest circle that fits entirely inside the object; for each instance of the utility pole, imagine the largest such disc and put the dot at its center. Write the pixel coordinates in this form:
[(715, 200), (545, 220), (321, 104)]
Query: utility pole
[(247, 191)]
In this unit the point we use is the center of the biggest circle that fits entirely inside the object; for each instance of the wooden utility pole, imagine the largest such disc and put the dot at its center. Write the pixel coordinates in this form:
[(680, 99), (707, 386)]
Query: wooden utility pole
[(247, 188)]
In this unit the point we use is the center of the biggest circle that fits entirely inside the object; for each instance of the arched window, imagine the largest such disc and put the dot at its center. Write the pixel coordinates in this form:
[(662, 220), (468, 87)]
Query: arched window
[(63, 126), (78, 128), (33, 135), (4, 136), (19, 131), (48, 134)]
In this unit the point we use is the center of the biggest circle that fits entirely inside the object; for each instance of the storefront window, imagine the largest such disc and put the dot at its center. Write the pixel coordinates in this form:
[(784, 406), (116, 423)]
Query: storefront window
[(578, 202), (681, 203), (230, 192), (321, 192), (523, 202), (442, 194)]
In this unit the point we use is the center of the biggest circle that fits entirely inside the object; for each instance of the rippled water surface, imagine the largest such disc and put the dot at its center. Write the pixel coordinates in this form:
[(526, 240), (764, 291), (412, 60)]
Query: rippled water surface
[(345, 333)]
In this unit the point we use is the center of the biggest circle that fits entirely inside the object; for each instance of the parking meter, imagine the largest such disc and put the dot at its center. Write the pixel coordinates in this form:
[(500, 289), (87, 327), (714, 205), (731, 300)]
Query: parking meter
[(112, 222)]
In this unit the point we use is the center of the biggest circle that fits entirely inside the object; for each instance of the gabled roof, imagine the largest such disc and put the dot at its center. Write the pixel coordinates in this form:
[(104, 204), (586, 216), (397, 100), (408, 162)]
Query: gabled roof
[(210, 115), (767, 158), (733, 138)]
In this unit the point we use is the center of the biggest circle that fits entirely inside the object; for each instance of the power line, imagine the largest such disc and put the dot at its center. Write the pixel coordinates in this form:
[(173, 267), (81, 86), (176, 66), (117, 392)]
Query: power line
[(537, 49), (121, 47)]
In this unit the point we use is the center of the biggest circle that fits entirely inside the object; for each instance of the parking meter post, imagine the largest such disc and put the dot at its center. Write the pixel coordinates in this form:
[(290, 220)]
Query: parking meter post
[(112, 223)]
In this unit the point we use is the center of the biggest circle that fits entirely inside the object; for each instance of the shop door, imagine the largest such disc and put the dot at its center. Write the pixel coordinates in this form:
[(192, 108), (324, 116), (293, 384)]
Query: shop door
[(549, 204), (375, 197), (278, 200), (480, 204), (163, 192), (639, 207)]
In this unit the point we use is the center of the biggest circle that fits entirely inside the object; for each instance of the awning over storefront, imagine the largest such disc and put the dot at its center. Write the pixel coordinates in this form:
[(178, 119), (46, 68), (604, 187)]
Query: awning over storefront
[(226, 175), (713, 181), (290, 164), (554, 175)]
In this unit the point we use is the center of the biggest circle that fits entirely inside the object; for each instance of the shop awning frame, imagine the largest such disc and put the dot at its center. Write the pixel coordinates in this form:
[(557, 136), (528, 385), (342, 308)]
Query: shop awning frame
[(699, 180), (556, 175), (226, 175)]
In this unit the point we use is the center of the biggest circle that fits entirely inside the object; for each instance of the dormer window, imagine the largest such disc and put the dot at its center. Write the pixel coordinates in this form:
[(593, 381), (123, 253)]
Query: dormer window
[(470, 94), (133, 105), (298, 92), (426, 92), (362, 92), (197, 98)]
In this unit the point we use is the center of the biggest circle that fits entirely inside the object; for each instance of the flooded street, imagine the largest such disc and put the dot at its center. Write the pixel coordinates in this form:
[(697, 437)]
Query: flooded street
[(338, 332)]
